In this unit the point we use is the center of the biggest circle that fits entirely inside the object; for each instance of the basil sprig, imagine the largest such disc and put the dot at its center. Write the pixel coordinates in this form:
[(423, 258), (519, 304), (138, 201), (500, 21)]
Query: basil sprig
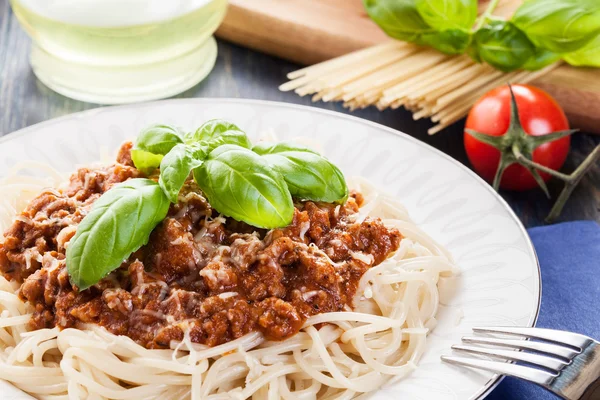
[(251, 184), (539, 33), (442, 24), (227, 169), (119, 223)]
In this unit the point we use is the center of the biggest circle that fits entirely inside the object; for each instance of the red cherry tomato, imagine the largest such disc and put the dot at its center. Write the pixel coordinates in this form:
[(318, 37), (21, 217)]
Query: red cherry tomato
[(539, 114)]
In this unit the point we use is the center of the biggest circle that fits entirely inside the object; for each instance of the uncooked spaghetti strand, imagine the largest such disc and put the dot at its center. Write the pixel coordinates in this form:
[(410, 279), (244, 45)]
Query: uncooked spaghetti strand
[(453, 82), (446, 84), (400, 69), (360, 70), (513, 77), (339, 77), (469, 87), (419, 81), (406, 69), (319, 81), (468, 99), (448, 119), (342, 61)]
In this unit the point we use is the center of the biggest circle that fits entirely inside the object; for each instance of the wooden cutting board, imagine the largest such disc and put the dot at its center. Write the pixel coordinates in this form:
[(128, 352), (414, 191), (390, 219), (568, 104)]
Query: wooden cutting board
[(310, 31)]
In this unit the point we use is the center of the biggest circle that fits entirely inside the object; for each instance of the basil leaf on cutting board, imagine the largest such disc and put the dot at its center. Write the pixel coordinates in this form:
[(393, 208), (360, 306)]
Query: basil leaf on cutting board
[(241, 184), (442, 24), (119, 223), (217, 132), (177, 165), (448, 14), (502, 45), (452, 41), (399, 19), (152, 144), (555, 29), (561, 26), (308, 175), (541, 58), (589, 55)]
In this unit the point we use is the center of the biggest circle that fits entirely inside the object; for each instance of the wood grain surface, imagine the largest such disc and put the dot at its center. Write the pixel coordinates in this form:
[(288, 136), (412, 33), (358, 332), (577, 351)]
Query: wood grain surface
[(244, 73), (302, 31), (311, 31)]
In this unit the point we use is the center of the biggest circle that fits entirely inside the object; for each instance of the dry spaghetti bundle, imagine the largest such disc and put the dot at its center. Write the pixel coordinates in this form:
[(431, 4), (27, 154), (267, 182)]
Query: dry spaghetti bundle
[(397, 74)]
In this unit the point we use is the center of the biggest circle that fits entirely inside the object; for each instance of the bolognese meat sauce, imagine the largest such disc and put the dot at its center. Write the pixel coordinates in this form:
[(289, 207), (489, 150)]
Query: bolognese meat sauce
[(201, 273)]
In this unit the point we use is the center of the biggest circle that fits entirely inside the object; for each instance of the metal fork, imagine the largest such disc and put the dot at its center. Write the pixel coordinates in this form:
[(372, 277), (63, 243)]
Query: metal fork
[(565, 363)]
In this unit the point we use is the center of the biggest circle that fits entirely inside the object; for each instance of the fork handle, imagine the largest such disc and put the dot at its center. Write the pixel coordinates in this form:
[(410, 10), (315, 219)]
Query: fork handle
[(592, 392)]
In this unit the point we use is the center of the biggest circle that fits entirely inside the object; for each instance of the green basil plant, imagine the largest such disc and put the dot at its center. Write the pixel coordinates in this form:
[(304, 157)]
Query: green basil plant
[(539, 33)]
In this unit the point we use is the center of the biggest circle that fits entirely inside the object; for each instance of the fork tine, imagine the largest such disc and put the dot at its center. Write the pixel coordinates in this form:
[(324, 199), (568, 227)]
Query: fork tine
[(561, 337), (553, 364), (518, 371), (547, 348)]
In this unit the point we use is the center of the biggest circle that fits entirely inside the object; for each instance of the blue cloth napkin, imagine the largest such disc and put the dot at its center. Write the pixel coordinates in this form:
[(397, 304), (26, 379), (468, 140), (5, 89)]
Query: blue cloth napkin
[(569, 255)]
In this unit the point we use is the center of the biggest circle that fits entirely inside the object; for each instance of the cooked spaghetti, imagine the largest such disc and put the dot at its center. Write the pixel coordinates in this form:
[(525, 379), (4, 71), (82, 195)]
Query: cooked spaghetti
[(336, 304)]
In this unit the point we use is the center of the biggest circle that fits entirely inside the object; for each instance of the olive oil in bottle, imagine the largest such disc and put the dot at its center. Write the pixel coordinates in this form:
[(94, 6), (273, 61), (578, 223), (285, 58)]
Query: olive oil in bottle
[(121, 51)]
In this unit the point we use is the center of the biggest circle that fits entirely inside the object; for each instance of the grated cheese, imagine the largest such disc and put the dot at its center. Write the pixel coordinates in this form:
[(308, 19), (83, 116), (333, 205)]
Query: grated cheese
[(365, 258), (227, 295), (304, 228)]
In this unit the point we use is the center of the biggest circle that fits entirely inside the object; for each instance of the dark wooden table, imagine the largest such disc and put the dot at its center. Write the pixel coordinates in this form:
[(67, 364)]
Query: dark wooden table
[(243, 73)]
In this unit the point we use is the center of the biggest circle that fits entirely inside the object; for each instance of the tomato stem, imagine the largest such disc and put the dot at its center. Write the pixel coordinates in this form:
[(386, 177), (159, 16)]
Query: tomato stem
[(521, 159), (505, 162), (571, 182), (531, 166)]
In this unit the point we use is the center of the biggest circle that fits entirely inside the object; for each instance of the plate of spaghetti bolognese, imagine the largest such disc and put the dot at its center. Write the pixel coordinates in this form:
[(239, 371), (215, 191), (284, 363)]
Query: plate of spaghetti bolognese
[(235, 249)]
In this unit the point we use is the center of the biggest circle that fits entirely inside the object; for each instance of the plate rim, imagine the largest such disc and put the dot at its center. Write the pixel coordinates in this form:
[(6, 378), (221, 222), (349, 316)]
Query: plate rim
[(495, 380)]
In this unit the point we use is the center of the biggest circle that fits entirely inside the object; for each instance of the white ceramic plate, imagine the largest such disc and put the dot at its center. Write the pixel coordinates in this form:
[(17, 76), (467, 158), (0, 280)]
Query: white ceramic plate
[(500, 282)]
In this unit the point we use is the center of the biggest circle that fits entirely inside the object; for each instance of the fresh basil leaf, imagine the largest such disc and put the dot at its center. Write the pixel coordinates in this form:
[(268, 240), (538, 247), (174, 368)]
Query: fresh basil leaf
[(119, 223), (541, 58), (309, 176), (240, 184), (212, 129), (177, 165), (473, 52), (158, 139), (145, 161), (217, 132), (448, 14), (502, 45), (561, 26), (399, 19), (452, 41), (407, 20), (152, 143), (588, 56)]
